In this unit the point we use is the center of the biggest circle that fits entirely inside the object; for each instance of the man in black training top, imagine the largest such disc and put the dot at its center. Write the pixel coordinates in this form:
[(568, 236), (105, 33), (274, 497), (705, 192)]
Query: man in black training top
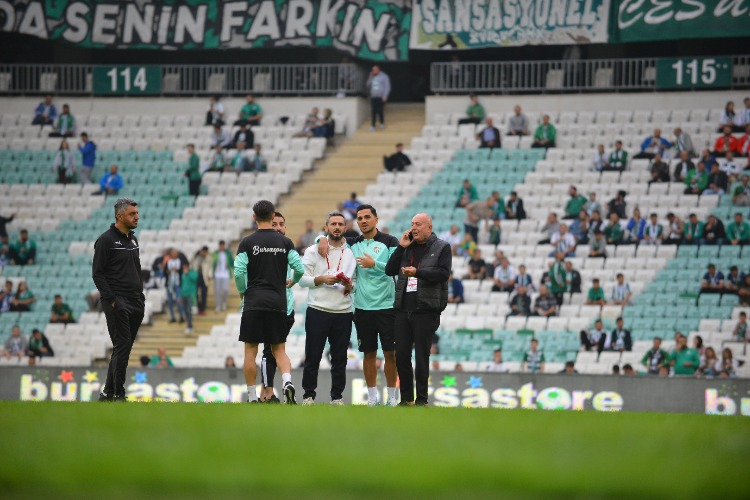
[(117, 275), (260, 271), (423, 264)]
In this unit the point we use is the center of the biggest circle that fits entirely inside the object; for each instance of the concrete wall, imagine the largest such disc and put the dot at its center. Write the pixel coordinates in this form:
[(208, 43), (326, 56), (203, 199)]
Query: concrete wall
[(588, 102), (355, 109)]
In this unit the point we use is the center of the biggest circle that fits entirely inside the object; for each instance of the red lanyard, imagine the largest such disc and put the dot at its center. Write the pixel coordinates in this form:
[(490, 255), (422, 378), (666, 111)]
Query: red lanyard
[(338, 267), (411, 258)]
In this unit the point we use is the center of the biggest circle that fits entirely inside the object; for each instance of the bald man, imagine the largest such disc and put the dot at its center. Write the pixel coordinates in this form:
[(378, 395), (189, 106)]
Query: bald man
[(422, 263)]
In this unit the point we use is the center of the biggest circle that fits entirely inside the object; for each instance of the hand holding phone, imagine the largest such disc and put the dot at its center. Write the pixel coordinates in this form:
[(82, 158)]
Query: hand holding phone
[(406, 239)]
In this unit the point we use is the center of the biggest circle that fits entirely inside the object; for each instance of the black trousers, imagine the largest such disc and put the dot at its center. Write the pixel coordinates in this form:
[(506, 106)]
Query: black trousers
[(336, 328), (194, 187), (586, 342), (202, 293), (123, 322), (475, 121), (377, 106), (415, 330)]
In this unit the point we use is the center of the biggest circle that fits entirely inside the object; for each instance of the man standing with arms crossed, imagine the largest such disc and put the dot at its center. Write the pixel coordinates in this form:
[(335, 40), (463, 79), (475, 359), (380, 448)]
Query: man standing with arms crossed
[(379, 85), (422, 263), (117, 275), (260, 271), (373, 300)]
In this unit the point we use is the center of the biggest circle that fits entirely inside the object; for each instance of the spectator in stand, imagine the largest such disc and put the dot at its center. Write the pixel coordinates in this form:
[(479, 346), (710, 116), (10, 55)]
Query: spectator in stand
[(708, 364), (220, 136), (725, 142), (251, 113), (491, 266), (693, 233), (245, 135), (524, 279), (45, 113), (172, 271), (729, 118), (111, 183), (683, 167), (478, 211), (223, 272), (467, 247), (545, 304), (258, 162), (514, 207), (504, 279), (595, 296), (16, 345), (579, 228), (65, 164), (618, 159), (738, 231), (717, 181), (575, 203), (713, 231), (683, 359), (452, 237), (533, 359), (741, 192), (4, 252), (379, 86), (740, 332), (398, 161), (745, 114), (204, 267), (311, 122), (188, 292), (592, 205), (598, 247), (455, 290), (706, 157), (229, 363), (160, 359), (683, 143), (23, 300), (621, 293), (636, 227), (621, 339), (39, 345), (497, 364), (743, 144), (215, 111), (495, 232), (65, 125), (545, 134), (193, 171), (618, 205), (697, 180), (6, 297), (659, 170), (520, 303), (653, 145), (477, 266), (731, 167), (326, 126), (474, 112), (564, 242), (570, 368), (558, 278), (673, 232), (307, 238), (732, 280), (551, 227), (743, 291), (627, 369), (87, 149), (518, 124), (23, 252), (655, 358), (601, 160), (489, 137), (713, 281), (467, 193), (595, 338), (614, 233), (572, 278), (239, 162), (351, 205)]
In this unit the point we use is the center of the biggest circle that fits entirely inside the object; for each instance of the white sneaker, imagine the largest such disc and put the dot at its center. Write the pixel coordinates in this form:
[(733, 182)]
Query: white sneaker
[(382, 125), (372, 402), (188, 331), (337, 402), (372, 129), (392, 402), (308, 401)]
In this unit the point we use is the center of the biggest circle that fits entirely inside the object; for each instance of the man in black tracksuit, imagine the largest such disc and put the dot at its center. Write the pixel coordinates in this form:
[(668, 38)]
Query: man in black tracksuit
[(117, 276), (423, 265)]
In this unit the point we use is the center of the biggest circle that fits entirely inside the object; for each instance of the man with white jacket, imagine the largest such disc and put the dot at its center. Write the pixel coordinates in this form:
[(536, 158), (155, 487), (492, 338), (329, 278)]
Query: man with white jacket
[(331, 279)]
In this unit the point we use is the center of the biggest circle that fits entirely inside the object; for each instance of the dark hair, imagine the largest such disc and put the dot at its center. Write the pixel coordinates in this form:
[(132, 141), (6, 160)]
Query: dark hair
[(619, 274), (627, 366), (535, 340), (84, 134), (57, 295), (365, 206), (354, 196), (335, 213), (144, 360), (498, 350), (595, 280), (24, 231), (264, 211), (733, 268), (570, 364), (699, 341), (399, 144), (657, 338), (278, 214), (616, 369), (222, 242), (190, 145)]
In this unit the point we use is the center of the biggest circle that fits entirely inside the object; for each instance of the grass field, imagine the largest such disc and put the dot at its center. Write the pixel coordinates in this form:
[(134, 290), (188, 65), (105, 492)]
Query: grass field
[(163, 450)]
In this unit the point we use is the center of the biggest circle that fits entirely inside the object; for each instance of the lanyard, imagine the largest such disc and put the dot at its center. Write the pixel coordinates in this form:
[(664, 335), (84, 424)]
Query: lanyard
[(411, 258), (338, 267)]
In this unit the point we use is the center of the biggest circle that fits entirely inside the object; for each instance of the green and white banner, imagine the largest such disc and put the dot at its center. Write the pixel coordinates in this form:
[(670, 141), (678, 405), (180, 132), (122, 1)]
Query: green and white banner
[(368, 29), (651, 20), (471, 24)]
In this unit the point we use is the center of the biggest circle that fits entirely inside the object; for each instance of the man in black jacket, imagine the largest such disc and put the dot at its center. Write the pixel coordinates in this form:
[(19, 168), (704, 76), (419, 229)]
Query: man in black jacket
[(422, 263), (621, 338), (117, 276), (489, 137), (398, 161)]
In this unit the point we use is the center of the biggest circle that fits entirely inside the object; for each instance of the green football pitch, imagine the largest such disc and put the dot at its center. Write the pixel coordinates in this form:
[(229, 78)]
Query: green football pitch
[(173, 450)]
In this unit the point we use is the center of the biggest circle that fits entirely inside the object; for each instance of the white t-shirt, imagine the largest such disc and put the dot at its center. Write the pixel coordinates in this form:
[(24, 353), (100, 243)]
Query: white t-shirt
[(221, 266), (505, 275)]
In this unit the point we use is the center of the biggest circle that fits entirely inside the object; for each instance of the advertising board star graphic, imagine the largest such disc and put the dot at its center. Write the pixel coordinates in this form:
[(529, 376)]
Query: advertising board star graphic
[(449, 381), (141, 377), (475, 382), (91, 377), (66, 376)]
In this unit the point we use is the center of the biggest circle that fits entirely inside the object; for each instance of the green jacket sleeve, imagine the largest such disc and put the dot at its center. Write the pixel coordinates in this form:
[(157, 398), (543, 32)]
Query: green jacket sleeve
[(240, 272), (295, 262)]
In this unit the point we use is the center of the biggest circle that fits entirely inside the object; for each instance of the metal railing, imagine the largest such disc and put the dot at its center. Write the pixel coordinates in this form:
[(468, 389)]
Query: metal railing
[(602, 75), (183, 79)]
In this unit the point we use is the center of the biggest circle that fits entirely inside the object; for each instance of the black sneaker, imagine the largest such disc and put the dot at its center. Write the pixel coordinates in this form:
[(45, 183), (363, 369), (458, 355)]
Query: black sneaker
[(120, 399), (273, 400), (289, 394), (103, 398), (404, 403), (254, 401), (421, 403)]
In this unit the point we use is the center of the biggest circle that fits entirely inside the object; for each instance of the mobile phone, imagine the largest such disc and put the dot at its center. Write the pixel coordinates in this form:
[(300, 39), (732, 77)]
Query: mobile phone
[(411, 236)]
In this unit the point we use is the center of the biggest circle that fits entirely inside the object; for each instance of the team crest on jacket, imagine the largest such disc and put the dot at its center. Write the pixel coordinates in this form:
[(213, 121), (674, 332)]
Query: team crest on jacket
[(376, 249)]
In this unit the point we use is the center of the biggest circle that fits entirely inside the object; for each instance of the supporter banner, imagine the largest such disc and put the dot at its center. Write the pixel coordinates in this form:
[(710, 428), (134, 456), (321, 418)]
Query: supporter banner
[(471, 24), (471, 390), (648, 20), (366, 28)]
